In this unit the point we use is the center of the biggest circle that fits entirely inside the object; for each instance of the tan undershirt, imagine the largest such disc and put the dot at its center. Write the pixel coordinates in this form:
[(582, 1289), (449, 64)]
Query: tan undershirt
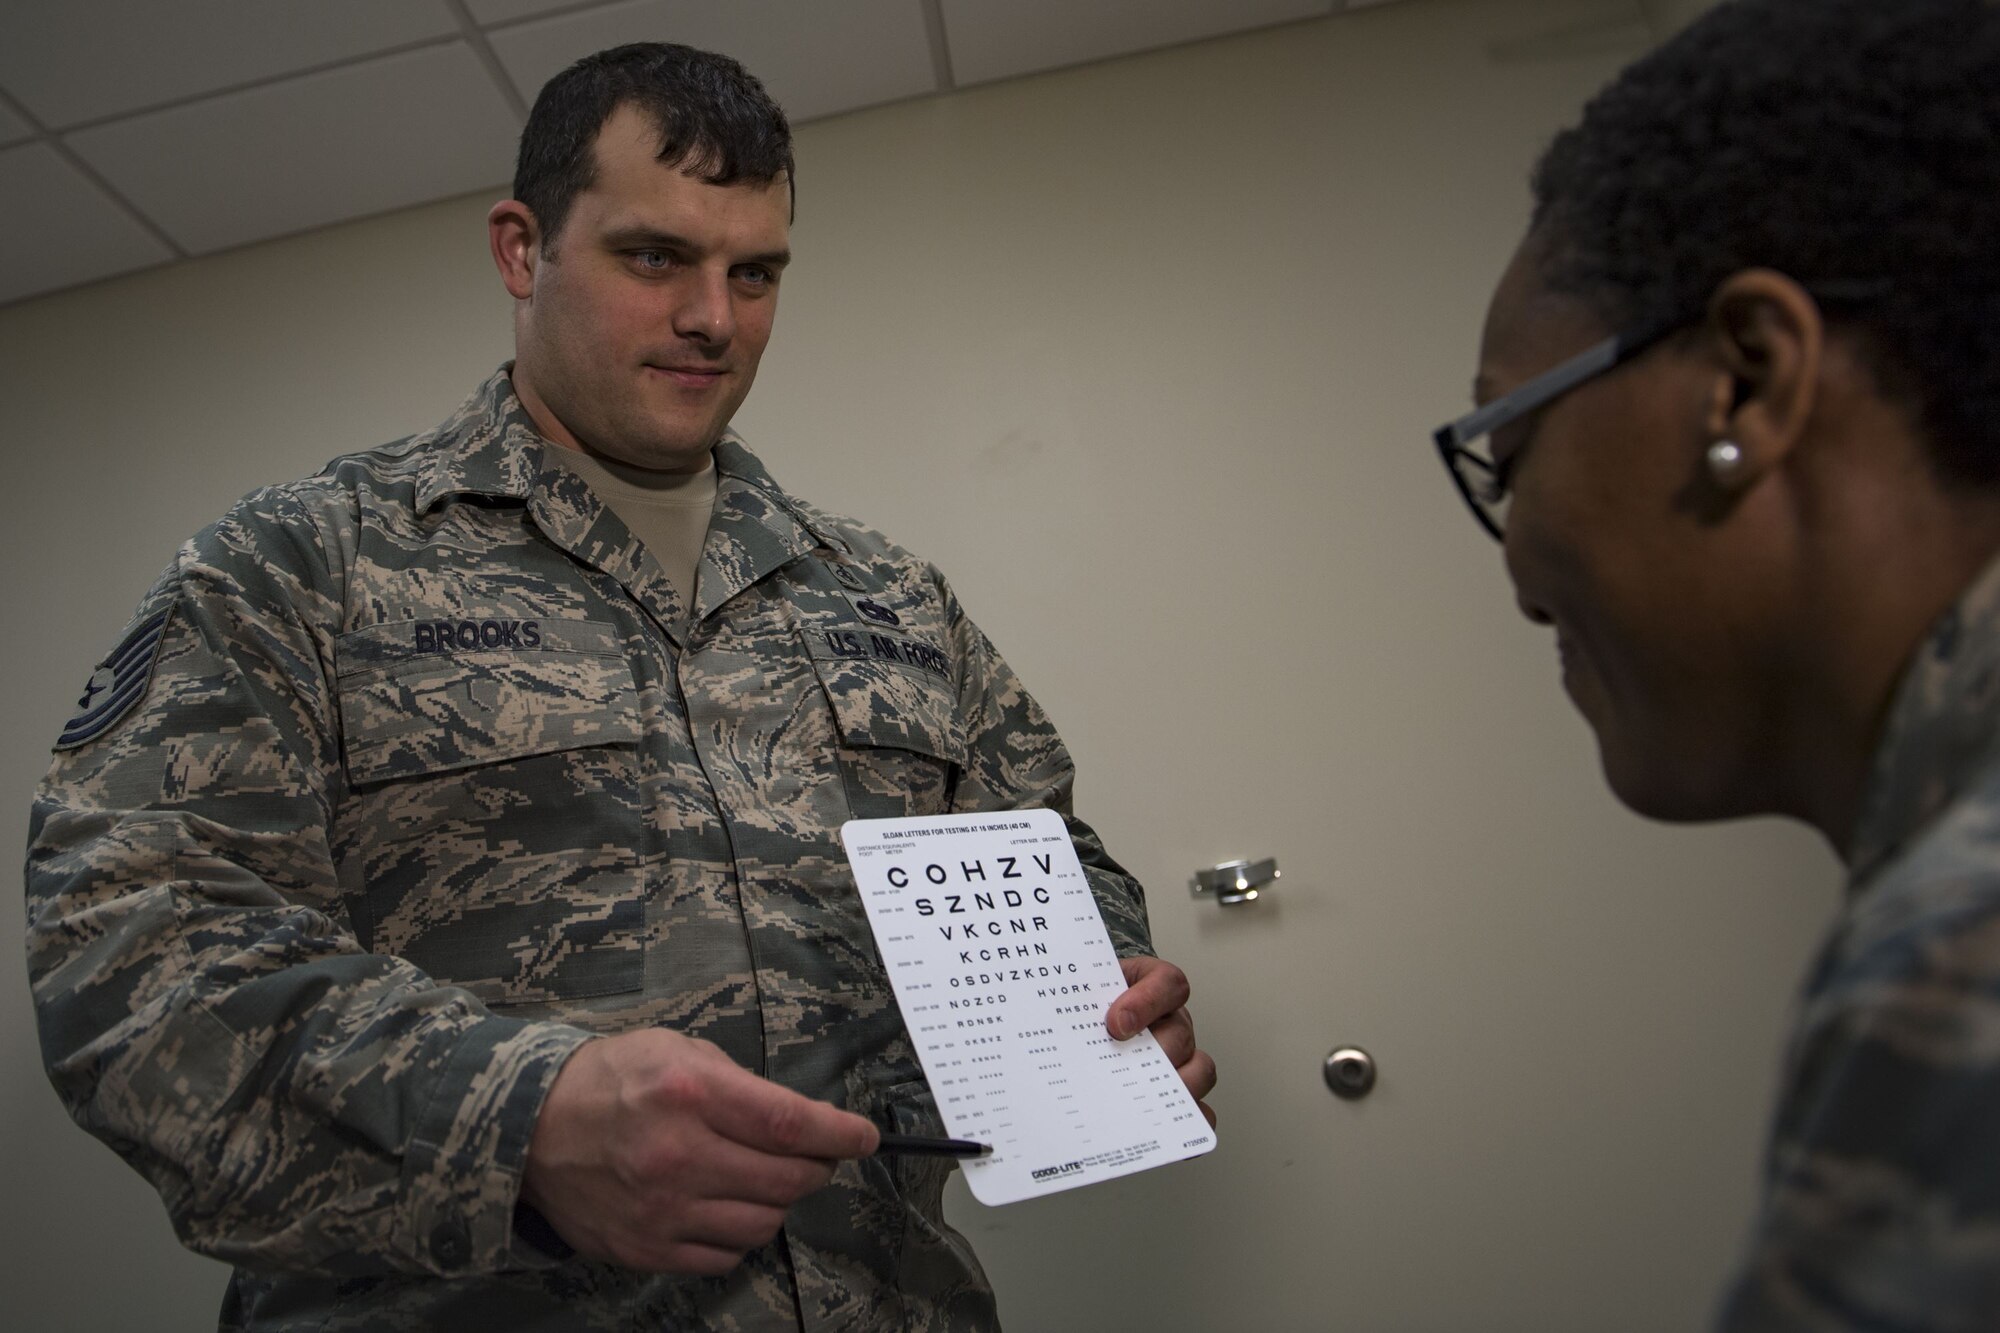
[(667, 512)]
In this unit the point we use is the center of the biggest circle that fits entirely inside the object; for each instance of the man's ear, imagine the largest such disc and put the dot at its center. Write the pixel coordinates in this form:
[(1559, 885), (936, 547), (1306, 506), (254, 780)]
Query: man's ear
[(1768, 336), (516, 241)]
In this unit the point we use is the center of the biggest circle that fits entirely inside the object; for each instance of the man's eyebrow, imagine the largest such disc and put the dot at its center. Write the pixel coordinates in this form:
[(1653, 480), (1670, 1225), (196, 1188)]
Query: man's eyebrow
[(642, 237), (651, 237)]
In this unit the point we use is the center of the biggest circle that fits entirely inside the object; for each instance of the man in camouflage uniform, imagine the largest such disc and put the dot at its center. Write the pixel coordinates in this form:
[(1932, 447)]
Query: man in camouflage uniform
[(441, 903), (1741, 439)]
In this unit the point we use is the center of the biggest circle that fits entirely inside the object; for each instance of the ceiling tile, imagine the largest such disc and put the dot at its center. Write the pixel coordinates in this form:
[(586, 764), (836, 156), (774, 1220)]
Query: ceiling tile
[(816, 58), (323, 148), (84, 59), (61, 229), (12, 127), (506, 11), (998, 39)]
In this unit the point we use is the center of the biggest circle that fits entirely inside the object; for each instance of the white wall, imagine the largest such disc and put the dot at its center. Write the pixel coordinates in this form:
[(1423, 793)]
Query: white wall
[(1259, 262)]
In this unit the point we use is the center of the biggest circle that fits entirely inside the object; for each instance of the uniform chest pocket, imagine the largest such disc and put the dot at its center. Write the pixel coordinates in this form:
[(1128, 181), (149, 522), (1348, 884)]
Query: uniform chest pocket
[(493, 833), (901, 745), (541, 687)]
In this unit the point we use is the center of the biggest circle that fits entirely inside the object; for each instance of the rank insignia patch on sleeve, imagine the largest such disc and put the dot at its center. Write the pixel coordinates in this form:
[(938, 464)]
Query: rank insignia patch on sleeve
[(118, 684)]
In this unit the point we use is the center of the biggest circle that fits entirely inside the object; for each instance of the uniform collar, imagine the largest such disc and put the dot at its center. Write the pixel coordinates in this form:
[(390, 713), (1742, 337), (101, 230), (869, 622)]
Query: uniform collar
[(1942, 727), (490, 447), (756, 528)]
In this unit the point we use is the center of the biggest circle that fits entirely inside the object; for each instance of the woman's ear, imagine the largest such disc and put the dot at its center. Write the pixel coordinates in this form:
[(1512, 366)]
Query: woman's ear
[(1768, 336)]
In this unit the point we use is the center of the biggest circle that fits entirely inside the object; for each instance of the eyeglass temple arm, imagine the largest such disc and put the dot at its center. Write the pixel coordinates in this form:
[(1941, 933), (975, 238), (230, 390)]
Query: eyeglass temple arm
[(1508, 406), (1614, 351)]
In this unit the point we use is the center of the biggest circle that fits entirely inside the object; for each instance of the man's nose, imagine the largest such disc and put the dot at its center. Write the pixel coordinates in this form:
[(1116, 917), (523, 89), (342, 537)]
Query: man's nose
[(706, 313)]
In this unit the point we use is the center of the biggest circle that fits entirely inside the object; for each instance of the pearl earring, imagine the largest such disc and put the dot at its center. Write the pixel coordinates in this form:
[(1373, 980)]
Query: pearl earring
[(1725, 461)]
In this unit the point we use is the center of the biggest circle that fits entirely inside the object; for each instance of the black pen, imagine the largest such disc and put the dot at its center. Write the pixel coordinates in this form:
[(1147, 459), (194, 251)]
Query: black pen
[(917, 1143)]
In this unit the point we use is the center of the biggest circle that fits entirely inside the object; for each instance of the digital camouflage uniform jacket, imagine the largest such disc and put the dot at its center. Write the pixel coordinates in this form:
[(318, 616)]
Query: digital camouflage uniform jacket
[(1882, 1207), (412, 775)]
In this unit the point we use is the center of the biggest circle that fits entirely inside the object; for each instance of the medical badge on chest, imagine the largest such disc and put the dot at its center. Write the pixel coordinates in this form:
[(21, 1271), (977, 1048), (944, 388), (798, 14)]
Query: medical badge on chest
[(845, 574), (864, 599)]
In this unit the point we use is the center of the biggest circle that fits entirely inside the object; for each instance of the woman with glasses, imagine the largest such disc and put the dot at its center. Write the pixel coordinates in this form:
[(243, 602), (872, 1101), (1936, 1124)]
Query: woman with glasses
[(1738, 432)]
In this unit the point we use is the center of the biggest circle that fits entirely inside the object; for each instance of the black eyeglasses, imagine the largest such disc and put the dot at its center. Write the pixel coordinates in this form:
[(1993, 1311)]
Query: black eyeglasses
[(1466, 445)]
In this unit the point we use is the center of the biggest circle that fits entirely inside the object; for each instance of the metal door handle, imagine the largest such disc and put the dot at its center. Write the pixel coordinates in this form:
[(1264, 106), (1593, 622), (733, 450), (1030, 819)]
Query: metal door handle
[(1235, 882)]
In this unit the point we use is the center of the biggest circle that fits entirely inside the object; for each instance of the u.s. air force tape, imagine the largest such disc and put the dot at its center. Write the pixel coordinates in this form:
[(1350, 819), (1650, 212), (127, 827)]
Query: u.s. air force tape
[(118, 684)]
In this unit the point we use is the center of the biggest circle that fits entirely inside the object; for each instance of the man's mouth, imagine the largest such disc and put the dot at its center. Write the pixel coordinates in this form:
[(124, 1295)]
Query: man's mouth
[(693, 377)]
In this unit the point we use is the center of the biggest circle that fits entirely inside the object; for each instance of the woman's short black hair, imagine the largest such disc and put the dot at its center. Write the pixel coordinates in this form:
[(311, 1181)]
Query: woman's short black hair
[(1837, 141), (714, 117)]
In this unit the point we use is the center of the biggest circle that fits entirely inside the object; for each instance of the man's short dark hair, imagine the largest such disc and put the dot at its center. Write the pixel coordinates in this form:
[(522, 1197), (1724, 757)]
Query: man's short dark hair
[(715, 120), (1836, 141)]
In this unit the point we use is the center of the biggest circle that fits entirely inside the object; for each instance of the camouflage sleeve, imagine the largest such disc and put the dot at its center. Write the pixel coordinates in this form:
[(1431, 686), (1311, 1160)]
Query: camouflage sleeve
[(204, 1005), (1883, 1204), (1015, 760)]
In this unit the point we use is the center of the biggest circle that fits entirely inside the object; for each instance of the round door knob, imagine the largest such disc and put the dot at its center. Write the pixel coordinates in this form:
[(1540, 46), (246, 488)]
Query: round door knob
[(1350, 1072)]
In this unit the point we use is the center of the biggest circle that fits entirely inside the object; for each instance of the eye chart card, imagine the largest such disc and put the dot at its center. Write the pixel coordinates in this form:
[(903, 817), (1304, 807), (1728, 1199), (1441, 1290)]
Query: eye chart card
[(1003, 970)]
